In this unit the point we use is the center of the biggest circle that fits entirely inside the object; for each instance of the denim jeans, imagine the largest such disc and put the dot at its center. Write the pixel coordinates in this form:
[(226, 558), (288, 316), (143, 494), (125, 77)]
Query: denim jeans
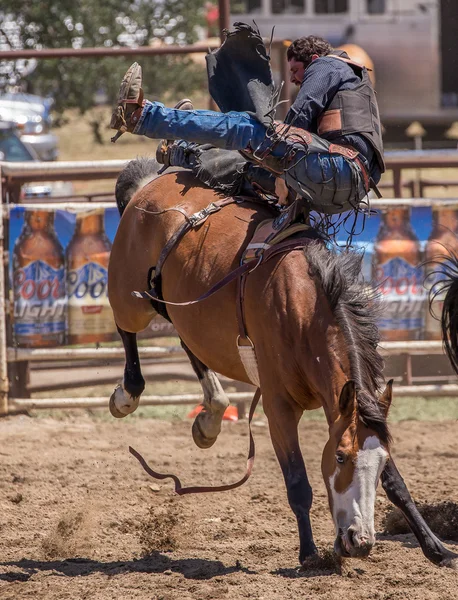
[(230, 131), (330, 182)]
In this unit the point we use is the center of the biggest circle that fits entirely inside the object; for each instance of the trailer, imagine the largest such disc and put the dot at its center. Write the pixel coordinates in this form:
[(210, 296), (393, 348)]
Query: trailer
[(410, 42)]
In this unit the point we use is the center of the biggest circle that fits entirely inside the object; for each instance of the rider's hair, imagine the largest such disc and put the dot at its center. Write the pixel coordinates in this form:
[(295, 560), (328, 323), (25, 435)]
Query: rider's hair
[(304, 48)]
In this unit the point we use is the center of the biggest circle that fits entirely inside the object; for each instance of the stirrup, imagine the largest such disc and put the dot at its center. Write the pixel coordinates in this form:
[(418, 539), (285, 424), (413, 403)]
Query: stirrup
[(130, 99)]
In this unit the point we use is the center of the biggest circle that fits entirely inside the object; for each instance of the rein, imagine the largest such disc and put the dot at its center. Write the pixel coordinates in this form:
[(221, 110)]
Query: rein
[(201, 489), (244, 269)]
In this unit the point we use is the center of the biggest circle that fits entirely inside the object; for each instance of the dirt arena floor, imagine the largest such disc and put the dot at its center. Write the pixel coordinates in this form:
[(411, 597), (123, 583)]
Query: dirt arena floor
[(80, 519)]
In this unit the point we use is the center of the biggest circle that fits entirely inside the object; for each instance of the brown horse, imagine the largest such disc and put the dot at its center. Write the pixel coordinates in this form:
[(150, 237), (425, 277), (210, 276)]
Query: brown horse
[(313, 327)]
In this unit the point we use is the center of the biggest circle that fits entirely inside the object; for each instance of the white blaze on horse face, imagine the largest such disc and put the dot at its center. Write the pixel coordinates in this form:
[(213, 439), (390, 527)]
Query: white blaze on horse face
[(354, 507)]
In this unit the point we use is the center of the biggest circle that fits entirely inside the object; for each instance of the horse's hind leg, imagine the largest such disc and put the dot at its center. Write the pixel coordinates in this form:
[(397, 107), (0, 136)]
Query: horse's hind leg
[(124, 400), (207, 424)]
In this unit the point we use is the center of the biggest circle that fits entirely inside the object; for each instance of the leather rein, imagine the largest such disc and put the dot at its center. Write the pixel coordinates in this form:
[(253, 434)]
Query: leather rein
[(238, 274)]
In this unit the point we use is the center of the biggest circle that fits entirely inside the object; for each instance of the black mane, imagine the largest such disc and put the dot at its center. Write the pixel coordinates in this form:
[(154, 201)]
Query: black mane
[(356, 311), (136, 173)]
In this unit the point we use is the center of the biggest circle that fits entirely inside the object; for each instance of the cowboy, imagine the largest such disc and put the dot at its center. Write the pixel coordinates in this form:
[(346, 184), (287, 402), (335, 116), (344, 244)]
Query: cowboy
[(329, 149)]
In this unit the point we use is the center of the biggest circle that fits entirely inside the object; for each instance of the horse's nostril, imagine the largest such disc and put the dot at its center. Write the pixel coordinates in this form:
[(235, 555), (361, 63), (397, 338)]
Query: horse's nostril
[(352, 537)]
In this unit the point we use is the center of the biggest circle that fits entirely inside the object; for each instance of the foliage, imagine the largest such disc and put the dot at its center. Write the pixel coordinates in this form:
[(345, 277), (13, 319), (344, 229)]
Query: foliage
[(74, 82)]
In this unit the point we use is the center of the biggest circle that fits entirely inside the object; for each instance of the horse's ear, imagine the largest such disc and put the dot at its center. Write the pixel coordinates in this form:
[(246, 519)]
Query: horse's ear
[(347, 400), (386, 398)]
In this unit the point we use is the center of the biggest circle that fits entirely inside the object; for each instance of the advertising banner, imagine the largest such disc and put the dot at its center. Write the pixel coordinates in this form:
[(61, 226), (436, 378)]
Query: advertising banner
[(397, 244), (59, 260), (58, 277)]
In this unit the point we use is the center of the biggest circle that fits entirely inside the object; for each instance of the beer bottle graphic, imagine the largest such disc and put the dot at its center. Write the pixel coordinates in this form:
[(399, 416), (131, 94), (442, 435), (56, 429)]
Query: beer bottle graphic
[(90, 318), (40, 301), (397, 272), (441, 241)]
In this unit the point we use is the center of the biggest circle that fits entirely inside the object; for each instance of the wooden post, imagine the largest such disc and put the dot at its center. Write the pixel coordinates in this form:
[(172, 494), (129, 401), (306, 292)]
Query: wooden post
[(19, 378), (224, 17), (397, 182), (407, 376), (4, 385)]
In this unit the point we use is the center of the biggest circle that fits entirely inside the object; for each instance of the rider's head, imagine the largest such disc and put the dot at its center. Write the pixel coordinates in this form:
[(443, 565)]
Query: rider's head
[(302, 52)]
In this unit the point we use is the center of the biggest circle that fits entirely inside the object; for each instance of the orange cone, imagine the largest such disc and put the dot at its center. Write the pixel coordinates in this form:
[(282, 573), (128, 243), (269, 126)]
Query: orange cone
[(195, 411), (230, 414)]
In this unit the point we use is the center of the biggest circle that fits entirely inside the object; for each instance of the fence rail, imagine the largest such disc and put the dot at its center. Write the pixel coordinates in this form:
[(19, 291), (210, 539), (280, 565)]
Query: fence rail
[(15, 174), (100, 402), (62, 354)]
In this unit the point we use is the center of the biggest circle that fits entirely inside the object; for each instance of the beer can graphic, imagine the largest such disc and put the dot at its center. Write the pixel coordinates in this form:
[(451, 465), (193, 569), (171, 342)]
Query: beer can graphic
[(398, 274), (40, 301), (90, 318), (441, 242)]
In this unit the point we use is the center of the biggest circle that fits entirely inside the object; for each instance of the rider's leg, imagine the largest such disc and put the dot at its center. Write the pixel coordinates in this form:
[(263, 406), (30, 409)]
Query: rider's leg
[(333, 183), (224, 170), (330, 182), (231, 131)]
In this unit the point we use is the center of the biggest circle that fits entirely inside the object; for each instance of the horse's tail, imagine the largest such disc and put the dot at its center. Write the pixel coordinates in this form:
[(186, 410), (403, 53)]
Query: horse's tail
[(448, 285), (134, 176)]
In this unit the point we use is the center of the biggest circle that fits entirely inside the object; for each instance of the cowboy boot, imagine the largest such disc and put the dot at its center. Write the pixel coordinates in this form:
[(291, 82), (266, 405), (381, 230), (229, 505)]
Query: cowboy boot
[(165, 148), (130, 102)]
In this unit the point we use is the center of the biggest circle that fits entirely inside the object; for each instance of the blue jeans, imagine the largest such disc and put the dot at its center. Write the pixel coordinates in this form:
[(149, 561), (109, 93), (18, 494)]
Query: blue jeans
[(230, 131), (330, 182)]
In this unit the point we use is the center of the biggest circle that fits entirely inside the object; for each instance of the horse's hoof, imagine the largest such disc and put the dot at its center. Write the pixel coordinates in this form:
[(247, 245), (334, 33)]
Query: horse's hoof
[(451, 563), (122, 405), (113, 410), (200, 440)]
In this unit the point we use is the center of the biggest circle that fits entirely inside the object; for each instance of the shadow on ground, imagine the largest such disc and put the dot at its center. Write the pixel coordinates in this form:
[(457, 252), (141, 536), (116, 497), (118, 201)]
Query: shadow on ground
[(190, 568)]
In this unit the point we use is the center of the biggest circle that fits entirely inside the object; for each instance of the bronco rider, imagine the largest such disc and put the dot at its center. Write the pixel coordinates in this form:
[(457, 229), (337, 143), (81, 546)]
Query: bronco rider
[(329, 150)]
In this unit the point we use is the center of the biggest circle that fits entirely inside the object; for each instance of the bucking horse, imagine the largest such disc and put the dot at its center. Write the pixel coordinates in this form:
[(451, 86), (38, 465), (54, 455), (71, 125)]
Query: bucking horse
[(302, 316)]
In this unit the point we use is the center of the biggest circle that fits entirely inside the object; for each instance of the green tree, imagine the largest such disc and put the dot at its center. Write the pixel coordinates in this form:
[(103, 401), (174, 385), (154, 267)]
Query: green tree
[(85, 23)]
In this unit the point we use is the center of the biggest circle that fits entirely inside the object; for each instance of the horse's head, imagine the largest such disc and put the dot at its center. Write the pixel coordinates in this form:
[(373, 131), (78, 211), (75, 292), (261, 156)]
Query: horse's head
[(353, 460)]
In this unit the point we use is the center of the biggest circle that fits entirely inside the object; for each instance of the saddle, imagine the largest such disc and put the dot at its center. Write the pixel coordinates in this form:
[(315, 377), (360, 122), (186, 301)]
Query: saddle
[(291, 221)]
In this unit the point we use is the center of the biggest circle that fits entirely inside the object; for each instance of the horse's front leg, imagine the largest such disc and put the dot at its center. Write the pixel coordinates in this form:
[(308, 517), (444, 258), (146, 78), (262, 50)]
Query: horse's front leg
[(207, 424), (283, 421), (399, 495), (126, 396)]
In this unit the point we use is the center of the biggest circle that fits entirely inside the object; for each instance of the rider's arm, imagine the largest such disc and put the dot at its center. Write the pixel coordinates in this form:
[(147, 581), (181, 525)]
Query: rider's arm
[(322, 80)]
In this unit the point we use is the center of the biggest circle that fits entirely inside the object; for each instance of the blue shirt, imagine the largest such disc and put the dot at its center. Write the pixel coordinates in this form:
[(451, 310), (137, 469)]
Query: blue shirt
[(322, 80)]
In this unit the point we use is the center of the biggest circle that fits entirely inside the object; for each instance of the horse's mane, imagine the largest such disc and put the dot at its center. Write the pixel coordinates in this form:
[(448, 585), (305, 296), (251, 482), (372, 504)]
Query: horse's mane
[(356, 311), (135, 175)]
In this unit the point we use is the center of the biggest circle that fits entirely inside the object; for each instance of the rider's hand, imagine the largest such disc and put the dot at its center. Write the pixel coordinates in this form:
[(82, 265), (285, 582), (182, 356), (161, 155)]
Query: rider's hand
[(281, 191)]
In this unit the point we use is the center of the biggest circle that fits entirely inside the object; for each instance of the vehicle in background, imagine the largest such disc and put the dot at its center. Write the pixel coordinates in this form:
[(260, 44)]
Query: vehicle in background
[(33, 119), (14, 149), (411, 44)]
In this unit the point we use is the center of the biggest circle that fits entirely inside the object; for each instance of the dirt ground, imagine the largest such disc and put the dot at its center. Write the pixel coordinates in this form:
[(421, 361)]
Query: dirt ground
[(80, 518)]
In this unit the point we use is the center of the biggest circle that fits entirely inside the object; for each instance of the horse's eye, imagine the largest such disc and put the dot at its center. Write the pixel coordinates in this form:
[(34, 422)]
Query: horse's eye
[(340, 458)]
